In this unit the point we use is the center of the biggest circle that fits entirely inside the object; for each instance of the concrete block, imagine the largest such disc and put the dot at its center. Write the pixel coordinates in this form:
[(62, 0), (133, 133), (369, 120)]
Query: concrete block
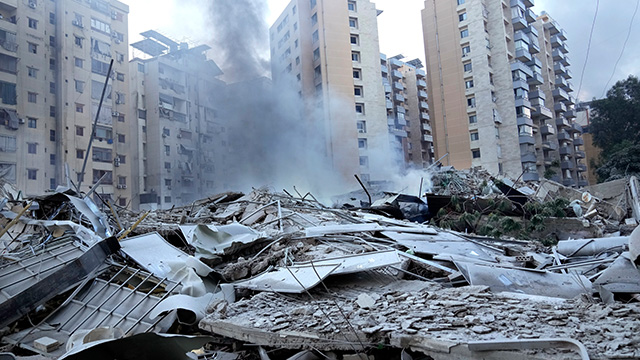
[(46, 344)]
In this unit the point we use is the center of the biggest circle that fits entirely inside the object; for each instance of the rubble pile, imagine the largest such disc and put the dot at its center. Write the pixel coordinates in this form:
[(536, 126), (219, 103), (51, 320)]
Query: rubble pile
[(269, 275)]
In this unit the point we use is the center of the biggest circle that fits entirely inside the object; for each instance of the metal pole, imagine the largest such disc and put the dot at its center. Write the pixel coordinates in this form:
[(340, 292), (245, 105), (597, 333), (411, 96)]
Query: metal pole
[(95, 124)]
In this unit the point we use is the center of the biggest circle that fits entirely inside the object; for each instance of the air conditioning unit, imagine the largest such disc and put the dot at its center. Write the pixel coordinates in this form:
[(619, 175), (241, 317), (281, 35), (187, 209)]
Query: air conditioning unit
[(124, 186), (168, 187), (77, 23), (114, 34), (361, 131), (179, 136), (119, 186), (114, 16), (20, 121), (115, 113), (117, 41), (32, 4)]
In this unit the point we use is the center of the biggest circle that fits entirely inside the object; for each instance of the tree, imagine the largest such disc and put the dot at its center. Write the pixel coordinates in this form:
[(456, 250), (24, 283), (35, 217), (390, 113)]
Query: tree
[(615, 121), (615, 125)]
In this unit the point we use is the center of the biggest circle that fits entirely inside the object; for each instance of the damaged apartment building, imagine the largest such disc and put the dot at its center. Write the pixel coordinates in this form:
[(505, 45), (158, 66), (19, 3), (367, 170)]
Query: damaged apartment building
[(500, 91), (175, 92), (54, 59)]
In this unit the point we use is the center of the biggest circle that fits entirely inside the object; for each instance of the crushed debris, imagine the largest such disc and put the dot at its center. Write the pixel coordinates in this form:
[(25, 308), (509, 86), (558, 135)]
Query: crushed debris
[(473, 267)]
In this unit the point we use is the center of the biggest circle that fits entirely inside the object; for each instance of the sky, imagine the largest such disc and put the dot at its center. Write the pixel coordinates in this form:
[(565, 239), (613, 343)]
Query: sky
[(400, 32)]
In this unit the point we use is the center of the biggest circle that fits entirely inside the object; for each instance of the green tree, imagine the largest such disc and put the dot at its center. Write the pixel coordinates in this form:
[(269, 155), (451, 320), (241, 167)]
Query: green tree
[(615, 125)]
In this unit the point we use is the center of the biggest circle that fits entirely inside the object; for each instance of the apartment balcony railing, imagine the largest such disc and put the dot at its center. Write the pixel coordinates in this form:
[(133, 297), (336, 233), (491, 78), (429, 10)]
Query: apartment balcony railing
[(547, 129), (560, 94), (422, 84), (422, 94), (579, 153), (566, 151), (578, 141), (541, 112), (427, 138), (567, 165)]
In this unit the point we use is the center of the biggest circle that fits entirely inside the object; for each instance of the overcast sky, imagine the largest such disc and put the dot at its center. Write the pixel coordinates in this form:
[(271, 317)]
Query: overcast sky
[(400, 31)]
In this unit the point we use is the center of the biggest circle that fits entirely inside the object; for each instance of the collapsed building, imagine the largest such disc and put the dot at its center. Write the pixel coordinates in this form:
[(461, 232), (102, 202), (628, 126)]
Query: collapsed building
[(273, 275)]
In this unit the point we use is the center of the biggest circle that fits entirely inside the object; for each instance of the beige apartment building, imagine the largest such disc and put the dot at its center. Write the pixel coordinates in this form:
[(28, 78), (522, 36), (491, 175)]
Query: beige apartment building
[(407, 110), (54, 59), (328, 51), (179, 140), (499, 98)]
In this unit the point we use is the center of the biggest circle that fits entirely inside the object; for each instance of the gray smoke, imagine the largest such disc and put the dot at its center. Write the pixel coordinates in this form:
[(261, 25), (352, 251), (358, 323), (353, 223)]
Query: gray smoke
[(240, 38)]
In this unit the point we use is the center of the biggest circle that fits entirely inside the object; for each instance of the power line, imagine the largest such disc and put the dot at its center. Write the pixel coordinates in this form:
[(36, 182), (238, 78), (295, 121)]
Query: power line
[(593, 25), (624, 46)]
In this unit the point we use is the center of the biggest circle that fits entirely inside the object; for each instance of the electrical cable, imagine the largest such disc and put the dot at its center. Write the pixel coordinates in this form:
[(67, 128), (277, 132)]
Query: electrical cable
[(624, 46), (593, 25)]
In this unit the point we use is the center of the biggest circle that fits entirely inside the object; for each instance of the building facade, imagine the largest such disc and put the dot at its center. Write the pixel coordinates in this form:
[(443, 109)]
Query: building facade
[(497, 99), (328, 51), (54, 62), (175, 98)]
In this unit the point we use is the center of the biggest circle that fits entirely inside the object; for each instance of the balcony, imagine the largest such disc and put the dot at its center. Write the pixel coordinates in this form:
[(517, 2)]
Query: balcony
[(568, 87), (547, 129), (421, 83), (520, 83), (560, 81), (564, 48), (530, 176), (535, 79), (399, 98), (579, 153), (424, 116), (391, 120), (537, 94), (578, 141), (389, 104), (553, 27), (400, 110), (564, 136), (556, 41), (562, 35), (523, 120), (527, 139), (568, 182), (424, 105), (395, 74), (422, 94), (387, 88), (583, 182), (402, 120), (398, 86), (559, 107), (581, 168), (541, 112), (566, 151), (384, 69), (558, 55), (570, 114), (560, 94), (530, 16), (426, 126), (520, 101), (420, 73), (566, 62), (395, 63), (567, 165), (562, 123), (549, 145), (529, 157), (519, 65), (559, 69), (575, 127), (519, 22), (569, 100), (428, 138), (523, 55)]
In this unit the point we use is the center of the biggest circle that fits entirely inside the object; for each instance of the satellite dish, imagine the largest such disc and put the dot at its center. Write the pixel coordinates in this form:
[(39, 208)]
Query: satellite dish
[(586, 197)]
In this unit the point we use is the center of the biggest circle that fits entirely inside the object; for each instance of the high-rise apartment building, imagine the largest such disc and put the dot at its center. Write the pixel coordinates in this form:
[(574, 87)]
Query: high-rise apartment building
[(407, 110), (175, 98), (498, 91), (328, 50), (54, 60)]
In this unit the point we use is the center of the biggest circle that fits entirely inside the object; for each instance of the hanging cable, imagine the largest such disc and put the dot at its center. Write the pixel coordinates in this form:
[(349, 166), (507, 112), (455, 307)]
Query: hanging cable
[(624, 46), (586, 58)]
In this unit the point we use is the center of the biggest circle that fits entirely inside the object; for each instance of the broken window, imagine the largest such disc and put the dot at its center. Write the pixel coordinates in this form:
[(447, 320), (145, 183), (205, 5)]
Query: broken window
[(102, 155), (97, 174)]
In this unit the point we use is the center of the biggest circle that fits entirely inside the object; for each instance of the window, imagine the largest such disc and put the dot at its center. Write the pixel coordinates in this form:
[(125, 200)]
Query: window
[(167, 150), (314, 19), (79, 130), (79, 86), (52, 135), (359, 108), (33, 48), (32, 148), (119, 57), (33, 72), (460, 2), (466, 50), (122, 180), (295, 43), (362, 143), (475, 153), (99, 67), (122, 202), (294, 10), (52, 41), (473, 119), (119, 98), (468, 84), (52, 183), (351, 5), (353, 23), (52, 159), (167, 165), (121, 138), (468, 67), (98, 174), (52, 64), (355, 40), (312, 3), (33, 23), (79, 154), (32, 174), (315, 37), (471, 102), (357, 73), (166, 132), (355, 56), (77, 40), (32, 123), (52, 111), (317, 72), (316, 54), (167, 199), (100, 26), (497, 132), (357, 91), (52, 87), (120, 118), (295, 27), (474, 136), (32, 97), (102, 155), (140, 67), (122, 159), (120, 76), (52, 18), (167, 182), (362, 126), (464, 33), (297, 60), (364, 161), (79, 108), (462, 17), (79, 62)]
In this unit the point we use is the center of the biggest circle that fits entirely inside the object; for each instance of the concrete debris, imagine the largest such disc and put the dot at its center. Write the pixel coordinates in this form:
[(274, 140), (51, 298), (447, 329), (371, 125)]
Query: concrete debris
[(465, 270)]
